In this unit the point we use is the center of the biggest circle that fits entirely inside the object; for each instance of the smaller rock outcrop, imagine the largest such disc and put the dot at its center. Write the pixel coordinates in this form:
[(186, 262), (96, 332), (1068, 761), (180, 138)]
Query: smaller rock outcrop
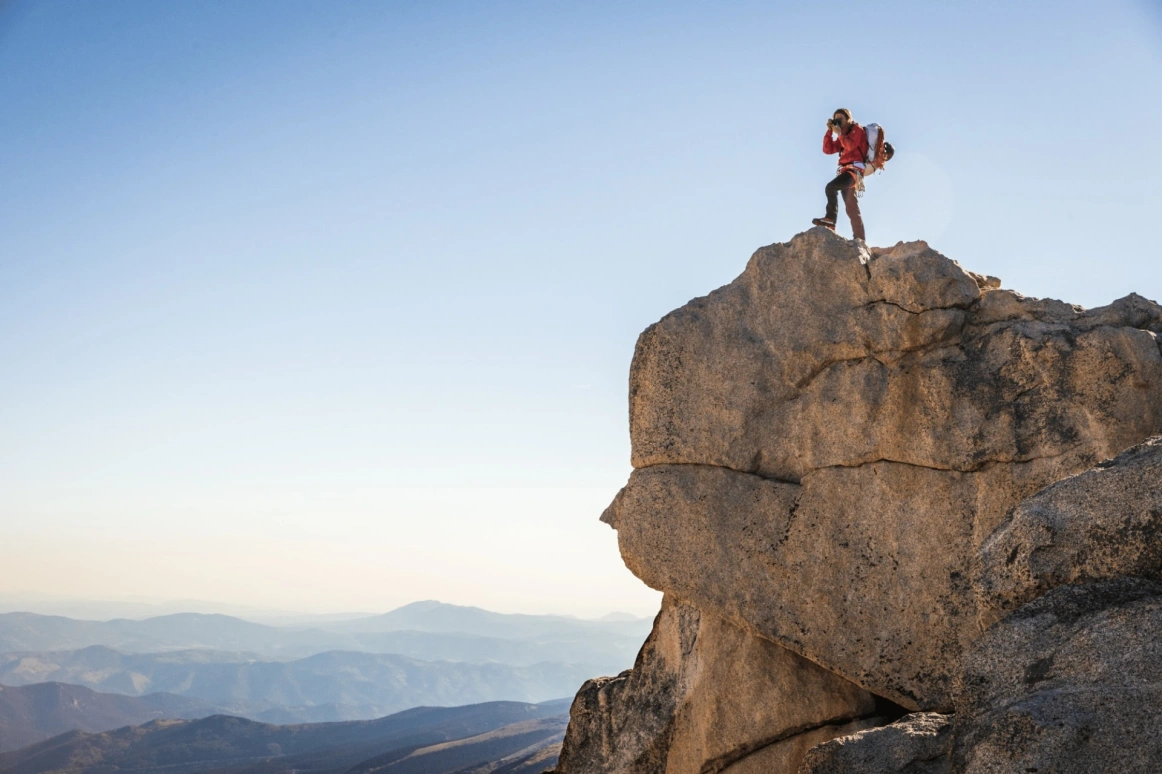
[(915, 744), (707, 696), (1101, 524), (1071, 683)]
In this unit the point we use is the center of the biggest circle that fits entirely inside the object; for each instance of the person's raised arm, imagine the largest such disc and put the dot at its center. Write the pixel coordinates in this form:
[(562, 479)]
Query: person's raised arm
[(829, 145)]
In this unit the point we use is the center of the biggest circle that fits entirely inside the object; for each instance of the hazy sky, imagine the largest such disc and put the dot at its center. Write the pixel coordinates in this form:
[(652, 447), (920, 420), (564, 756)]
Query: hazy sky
[(330, 305)]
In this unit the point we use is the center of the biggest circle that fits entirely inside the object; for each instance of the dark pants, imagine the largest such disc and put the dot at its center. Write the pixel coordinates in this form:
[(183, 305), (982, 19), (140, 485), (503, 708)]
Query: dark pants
[(845, 182)]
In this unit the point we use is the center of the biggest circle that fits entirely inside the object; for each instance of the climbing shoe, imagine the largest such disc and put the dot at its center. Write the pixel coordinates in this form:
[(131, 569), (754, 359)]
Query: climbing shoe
[(824, 222)]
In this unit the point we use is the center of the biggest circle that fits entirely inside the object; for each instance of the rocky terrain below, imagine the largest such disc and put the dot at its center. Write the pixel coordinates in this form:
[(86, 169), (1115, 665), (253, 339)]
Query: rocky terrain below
[(905, 521)]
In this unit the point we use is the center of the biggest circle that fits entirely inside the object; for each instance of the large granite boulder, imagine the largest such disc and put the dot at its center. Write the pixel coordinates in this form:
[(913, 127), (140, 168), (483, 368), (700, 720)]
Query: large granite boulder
[(923, 367), (1071, 683), (916, 744), (823, 444), (822, 450), (847, 567), (1101, 524), (706, 696)]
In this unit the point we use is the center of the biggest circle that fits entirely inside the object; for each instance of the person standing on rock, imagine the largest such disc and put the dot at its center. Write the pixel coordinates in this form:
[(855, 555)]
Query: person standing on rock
[(850, 143)]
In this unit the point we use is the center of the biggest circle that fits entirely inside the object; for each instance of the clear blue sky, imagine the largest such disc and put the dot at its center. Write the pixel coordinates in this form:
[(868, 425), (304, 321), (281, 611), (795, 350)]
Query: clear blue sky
[(331, 305)]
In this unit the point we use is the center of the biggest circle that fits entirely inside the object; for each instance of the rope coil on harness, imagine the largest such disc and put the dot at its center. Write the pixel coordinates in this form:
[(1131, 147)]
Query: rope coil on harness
[(857, 175)]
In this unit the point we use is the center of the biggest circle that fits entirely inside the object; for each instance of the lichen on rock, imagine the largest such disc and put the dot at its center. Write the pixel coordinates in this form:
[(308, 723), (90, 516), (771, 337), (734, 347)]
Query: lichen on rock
[(1071, 683), (1102, 524)]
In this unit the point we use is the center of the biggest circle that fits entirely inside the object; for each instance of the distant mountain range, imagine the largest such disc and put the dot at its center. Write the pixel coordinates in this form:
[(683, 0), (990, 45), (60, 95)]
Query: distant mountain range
[(33, 713), (428, 630), (497, 737), (106, 610), (432, 616), (335, 685), (100, 680)]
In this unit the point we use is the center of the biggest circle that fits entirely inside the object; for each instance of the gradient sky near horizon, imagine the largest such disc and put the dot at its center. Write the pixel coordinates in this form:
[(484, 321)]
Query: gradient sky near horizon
[(330, 306)]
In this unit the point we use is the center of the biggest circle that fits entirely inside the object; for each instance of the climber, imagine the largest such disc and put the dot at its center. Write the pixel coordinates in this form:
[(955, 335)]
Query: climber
[(852, 147)]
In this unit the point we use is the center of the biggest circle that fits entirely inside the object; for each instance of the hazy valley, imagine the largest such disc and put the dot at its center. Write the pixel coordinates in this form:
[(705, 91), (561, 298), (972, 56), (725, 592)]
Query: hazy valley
[(428, 630), (334, 685), (132, 692)]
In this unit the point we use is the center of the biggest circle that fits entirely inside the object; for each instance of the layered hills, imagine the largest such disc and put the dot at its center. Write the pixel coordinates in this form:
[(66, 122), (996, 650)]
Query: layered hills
[(871, 483), (59, 674), (334, 685), (498, 736), (37, 712)]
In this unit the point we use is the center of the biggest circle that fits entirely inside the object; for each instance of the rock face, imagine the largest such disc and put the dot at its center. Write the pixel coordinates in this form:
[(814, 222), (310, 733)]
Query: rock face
[(1102, 524), (706, 696), (1070, 683), (901, 412), (850, 568), (822, 449), (923, 369)]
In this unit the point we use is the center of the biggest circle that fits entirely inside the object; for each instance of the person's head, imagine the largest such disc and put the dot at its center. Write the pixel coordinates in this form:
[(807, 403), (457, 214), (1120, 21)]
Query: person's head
[(842, 119), (889, 151)]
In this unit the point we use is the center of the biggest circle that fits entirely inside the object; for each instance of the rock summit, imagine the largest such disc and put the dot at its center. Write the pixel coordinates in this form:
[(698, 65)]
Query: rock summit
[(871, 483)]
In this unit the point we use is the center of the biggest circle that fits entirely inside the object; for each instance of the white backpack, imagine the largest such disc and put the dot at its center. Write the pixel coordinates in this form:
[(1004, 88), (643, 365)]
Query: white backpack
[(875, 146)]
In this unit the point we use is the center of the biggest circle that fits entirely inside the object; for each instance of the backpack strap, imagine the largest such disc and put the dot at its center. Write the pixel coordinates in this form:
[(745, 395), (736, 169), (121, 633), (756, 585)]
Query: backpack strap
[(878, 158)]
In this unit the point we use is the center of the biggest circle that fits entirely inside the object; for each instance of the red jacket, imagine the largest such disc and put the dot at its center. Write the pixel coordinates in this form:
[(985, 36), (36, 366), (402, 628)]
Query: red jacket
[(851, 147)]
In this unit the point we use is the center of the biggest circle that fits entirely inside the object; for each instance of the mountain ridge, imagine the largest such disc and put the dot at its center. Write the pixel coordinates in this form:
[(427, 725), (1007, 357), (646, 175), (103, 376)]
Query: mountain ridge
[(229, 744), (40, 711), (22, 631), (327, 686)]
